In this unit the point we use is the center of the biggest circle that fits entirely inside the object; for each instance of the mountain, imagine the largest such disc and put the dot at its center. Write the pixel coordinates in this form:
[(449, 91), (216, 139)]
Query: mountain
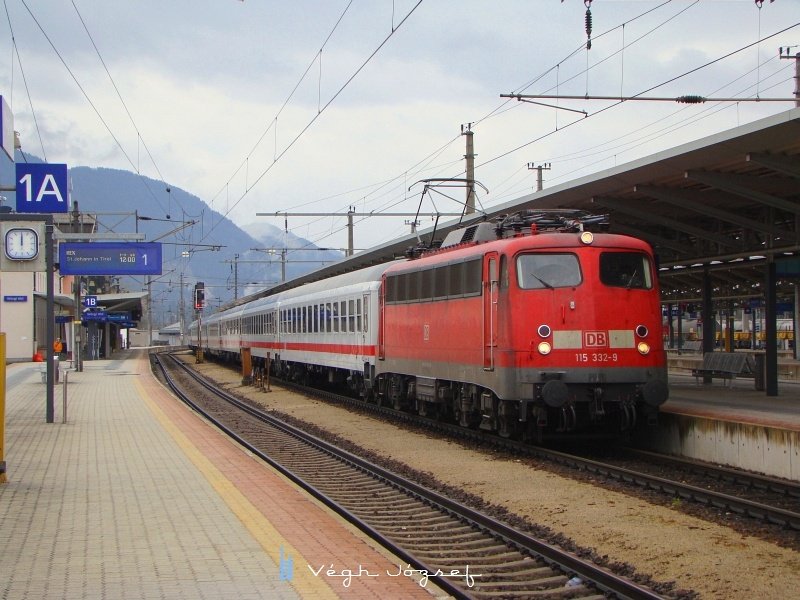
[(198, 243)]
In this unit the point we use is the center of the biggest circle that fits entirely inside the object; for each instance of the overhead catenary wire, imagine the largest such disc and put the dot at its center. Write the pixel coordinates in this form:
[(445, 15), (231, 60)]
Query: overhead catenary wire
[(650, 89), (324, 107), (119, 94), (15, 51), (506, 104), (88, 99), (626, 45)]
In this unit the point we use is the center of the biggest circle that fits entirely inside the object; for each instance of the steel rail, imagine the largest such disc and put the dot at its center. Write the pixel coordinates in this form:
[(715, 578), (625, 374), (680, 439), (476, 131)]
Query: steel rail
[(605, 580), (677, 489)]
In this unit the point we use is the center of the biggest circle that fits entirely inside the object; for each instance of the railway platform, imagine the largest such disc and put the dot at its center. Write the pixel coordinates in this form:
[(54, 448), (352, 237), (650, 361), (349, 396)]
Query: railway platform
[(136, 496), (734, 424)]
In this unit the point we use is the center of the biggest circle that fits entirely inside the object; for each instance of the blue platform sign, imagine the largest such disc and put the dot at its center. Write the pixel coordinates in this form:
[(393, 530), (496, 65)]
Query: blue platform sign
[(109, 258), (42, 188), (90, 301), (98, 316)]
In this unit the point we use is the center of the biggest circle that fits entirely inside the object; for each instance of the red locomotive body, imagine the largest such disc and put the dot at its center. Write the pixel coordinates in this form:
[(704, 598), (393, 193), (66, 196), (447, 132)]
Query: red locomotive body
[(525, 335)]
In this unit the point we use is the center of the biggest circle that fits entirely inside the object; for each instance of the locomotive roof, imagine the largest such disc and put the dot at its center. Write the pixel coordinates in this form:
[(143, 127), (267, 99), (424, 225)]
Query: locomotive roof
[(540, 241)]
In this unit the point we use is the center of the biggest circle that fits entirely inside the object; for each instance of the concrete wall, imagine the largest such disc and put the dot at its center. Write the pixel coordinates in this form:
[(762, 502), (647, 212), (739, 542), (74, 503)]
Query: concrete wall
[(766, 450), (16, 318)]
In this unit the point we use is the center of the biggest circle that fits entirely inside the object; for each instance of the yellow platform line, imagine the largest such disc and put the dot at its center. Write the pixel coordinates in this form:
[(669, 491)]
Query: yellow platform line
[(253, 519)]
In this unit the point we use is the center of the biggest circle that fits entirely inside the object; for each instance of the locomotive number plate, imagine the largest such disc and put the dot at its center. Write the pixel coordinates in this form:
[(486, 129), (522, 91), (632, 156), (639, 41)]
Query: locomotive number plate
[(596, 357)]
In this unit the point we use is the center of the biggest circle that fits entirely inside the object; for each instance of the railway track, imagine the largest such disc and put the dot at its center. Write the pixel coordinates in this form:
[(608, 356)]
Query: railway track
[(466, 553), (766, 499)]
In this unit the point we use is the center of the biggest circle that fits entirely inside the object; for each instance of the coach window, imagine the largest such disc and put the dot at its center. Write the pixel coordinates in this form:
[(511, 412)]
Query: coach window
[(358, 315), (343, 315), (547, 271), (351, 316)]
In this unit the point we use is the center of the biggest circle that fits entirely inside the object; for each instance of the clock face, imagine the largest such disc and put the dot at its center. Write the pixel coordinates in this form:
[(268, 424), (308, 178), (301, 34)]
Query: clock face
[(21, 243)]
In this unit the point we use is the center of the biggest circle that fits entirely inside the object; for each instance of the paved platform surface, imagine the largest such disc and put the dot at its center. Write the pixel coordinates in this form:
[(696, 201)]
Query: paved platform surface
[(137, 497), (739, 402)]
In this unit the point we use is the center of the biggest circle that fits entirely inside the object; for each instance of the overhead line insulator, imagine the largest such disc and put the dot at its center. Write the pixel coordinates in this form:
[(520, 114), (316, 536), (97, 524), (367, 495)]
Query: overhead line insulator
[(690, 99)]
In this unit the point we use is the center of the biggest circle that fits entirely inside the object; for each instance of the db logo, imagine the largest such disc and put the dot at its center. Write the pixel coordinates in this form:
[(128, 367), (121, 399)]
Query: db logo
[(595, 339)]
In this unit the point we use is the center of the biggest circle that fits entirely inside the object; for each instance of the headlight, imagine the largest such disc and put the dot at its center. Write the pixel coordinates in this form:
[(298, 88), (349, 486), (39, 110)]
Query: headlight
[(643, 348), (587, 237), (544, 331), (641, 331), (544, 348)]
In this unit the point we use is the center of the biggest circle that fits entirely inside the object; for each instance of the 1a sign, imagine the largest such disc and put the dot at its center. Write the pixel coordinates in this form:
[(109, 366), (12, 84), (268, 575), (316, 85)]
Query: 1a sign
[(42, 188)]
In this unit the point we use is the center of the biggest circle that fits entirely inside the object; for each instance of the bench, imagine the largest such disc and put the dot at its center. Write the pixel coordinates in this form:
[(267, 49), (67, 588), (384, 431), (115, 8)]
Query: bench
[(691, 345), (725, 365)]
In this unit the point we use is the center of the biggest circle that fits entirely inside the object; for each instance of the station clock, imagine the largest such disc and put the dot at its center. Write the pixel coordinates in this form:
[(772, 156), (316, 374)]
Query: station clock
[(21, 243)]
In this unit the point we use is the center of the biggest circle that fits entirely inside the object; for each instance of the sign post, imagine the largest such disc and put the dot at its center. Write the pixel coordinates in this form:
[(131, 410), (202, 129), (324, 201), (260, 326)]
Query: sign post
[(2, 407)]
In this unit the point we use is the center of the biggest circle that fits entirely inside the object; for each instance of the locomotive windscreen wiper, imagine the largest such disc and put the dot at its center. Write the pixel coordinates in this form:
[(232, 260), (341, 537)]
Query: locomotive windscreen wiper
[(632, 278), (542, 281)]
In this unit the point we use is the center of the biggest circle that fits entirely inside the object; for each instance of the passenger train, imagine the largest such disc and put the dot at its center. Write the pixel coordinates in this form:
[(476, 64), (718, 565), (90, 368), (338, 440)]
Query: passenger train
[(531, 326)]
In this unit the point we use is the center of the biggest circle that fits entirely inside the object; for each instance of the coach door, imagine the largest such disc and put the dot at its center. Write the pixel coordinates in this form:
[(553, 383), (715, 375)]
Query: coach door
[(491, 285), (363, 326), (381, 319)]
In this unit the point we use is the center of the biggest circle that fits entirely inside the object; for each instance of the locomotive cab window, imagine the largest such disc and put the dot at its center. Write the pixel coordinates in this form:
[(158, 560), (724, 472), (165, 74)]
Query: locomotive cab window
[(548, 271), (626, 269)]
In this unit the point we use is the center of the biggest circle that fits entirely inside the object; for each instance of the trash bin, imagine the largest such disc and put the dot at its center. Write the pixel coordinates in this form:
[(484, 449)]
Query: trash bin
[(760, 371)]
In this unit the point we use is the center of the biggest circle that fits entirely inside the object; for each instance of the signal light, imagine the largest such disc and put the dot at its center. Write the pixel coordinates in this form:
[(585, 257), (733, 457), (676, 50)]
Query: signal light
[(199, 296)]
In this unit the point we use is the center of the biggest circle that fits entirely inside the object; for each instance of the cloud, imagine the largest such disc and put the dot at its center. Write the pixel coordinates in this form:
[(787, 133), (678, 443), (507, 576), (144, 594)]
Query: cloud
[(205, 81)]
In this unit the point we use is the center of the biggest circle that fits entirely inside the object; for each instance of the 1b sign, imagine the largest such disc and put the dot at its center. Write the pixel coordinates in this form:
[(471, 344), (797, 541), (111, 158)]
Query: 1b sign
[(42, 188)]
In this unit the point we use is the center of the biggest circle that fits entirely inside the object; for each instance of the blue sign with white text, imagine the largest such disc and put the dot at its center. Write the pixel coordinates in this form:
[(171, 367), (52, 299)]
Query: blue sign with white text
[(109, 258), (99, 316), (42, 188)]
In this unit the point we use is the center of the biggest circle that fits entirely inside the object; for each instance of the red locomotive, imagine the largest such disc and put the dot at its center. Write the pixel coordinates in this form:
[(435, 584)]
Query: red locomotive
[(529, 326)]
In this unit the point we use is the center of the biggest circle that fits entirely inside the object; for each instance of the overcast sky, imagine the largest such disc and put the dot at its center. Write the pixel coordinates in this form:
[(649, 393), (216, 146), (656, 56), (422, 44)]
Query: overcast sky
[(264, 106)]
